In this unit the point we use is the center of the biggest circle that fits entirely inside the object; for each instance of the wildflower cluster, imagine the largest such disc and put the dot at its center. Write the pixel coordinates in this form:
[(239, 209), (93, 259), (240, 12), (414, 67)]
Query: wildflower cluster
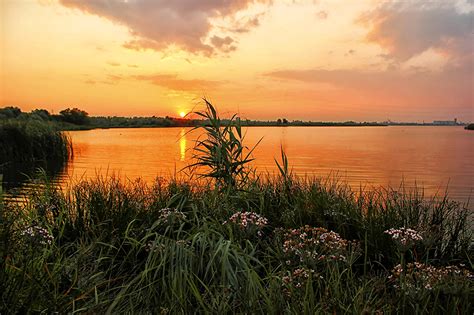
[(171, 214), (296, 279), (247, 221), (156, 246), (38, 235), (153, 246), (405, 238), (182, 243), (336, 214), (311, 245), (420, 276)]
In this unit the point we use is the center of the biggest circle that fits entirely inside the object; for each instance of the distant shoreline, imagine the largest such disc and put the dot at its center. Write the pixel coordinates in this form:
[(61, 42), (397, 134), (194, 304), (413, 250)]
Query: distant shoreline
[(77, 119), (88, 127), (72, 127), (243, 125)]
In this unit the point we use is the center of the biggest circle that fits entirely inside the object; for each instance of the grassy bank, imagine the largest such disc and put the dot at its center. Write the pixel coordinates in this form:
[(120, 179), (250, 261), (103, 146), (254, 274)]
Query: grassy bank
[(31, 140), (469, 127), (235, 243), (133, 248)]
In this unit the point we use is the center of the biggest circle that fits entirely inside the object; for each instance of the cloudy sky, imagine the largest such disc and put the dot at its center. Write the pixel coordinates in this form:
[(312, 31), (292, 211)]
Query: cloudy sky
[(335, 60)]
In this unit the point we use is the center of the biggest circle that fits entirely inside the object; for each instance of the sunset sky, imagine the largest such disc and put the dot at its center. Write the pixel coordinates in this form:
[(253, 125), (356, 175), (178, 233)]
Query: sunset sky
[(330, 60)]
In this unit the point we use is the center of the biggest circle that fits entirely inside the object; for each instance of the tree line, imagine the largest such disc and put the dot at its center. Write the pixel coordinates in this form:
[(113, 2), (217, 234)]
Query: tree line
[(70, 117), (75, 118)]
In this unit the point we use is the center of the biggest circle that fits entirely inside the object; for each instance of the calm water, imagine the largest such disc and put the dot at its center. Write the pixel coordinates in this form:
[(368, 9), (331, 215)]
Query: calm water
[(431, 157)]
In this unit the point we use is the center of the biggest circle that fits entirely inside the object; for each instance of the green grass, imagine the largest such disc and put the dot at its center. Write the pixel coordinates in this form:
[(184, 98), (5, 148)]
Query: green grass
[(176, 247), (32, 140), (112, 252)]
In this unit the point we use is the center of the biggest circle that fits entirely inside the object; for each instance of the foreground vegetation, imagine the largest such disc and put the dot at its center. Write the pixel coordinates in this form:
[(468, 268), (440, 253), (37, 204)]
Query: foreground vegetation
[(131, 248), (235, 243)]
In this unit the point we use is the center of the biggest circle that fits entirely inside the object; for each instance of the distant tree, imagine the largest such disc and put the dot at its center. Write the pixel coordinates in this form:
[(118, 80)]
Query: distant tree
[(42, 113), (285, 122), (10, 112), (279, 121), (74, 116)]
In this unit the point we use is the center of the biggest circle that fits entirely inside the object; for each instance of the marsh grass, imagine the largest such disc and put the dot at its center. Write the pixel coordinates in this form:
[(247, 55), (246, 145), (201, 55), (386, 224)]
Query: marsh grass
[(133, 248), (32, 140), (112, 253)]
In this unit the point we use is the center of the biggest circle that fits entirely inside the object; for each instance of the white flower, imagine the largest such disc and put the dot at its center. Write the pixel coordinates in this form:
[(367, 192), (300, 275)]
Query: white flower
[(168, 213), (405, 237), (38, 234), (247, 220)]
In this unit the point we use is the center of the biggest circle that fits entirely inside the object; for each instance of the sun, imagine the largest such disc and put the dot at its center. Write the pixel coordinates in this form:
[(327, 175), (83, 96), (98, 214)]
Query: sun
[(182, 114)]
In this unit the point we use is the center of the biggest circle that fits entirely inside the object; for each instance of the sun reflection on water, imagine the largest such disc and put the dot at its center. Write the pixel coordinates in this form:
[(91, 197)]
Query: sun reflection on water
[(182, 144)]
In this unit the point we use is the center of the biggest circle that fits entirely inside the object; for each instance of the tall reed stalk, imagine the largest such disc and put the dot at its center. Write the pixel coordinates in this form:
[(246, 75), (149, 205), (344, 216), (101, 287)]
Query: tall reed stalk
[(222, 155)]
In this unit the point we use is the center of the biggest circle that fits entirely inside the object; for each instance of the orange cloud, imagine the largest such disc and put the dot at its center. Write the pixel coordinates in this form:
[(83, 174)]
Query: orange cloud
[(161, 24), (409, 28)]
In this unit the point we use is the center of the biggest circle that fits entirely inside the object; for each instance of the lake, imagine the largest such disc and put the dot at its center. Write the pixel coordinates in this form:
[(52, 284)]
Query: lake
[(430, 157)]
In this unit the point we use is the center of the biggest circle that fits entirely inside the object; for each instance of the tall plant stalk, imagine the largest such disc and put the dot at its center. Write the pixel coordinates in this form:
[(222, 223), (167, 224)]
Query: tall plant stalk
[(221, 154)]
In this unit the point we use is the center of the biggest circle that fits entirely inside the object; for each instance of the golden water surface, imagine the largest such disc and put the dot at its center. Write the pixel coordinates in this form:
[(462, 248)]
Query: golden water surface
[(432, 157)]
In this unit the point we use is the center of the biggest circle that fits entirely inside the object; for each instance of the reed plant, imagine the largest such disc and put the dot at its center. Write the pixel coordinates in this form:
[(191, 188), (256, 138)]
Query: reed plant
[(221, 155), (30, 140)]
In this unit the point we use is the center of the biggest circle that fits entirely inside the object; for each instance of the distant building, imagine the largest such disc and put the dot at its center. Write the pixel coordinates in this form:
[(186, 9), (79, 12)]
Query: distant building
[(446, 122)]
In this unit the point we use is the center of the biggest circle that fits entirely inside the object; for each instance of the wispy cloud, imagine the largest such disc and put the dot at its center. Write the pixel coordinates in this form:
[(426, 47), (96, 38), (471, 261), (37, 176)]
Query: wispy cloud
[(322, 15), (432, 90), (243, 24), (225, 44), (350, 52), (172, 82)]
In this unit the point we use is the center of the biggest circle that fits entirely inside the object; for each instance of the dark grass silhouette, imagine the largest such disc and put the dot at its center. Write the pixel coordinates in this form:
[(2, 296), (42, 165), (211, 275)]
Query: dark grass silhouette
[(32, 140)]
